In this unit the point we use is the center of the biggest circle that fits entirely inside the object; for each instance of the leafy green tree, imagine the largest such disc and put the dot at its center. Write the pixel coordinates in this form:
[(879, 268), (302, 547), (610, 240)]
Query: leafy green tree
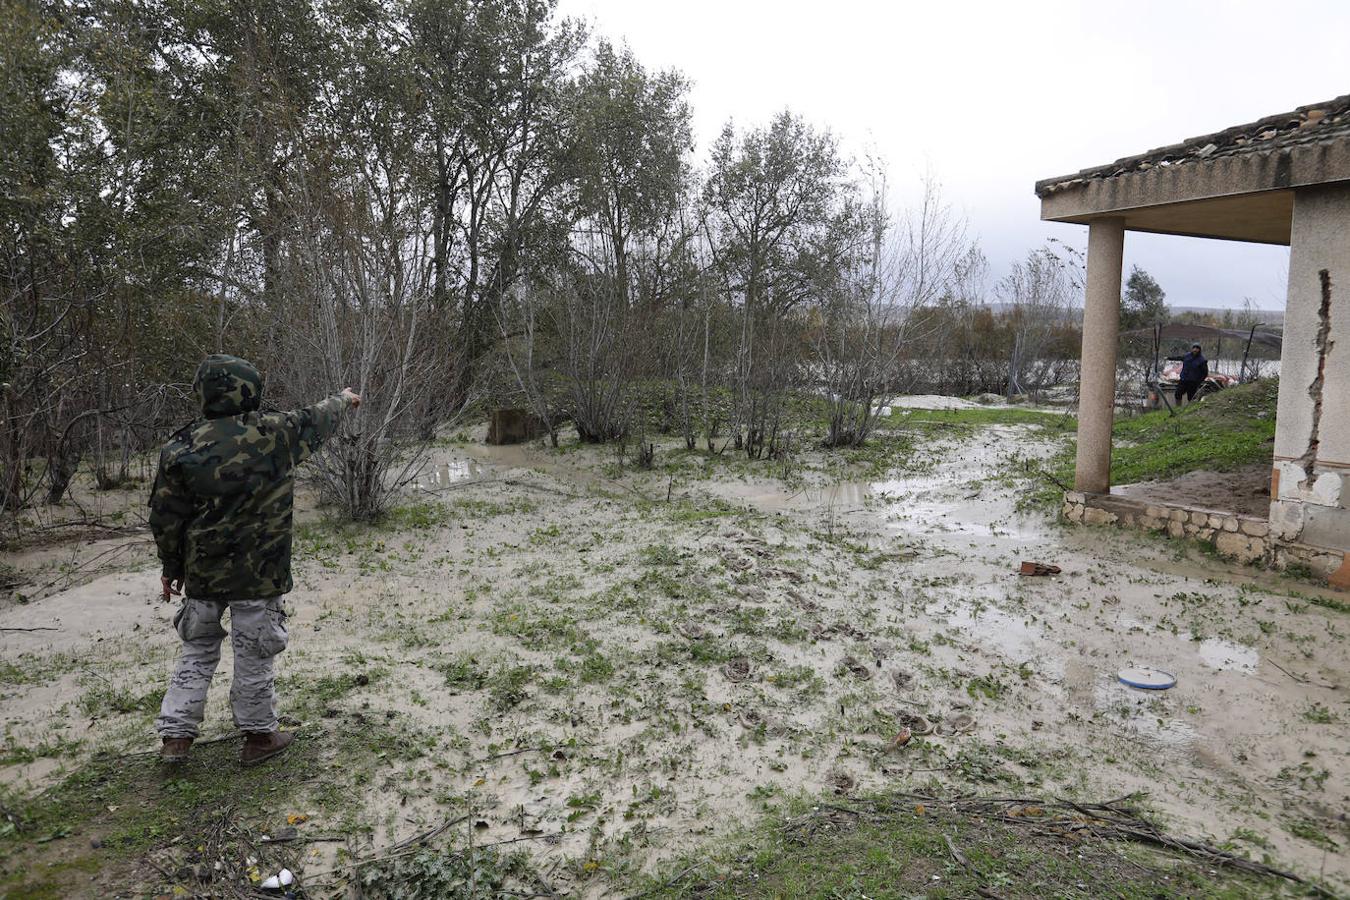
[(629, 153), (783, 216), (1143, 304)]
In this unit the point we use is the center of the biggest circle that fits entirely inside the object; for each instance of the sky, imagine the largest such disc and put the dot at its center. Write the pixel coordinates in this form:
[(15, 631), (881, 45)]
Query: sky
[(990, 97)]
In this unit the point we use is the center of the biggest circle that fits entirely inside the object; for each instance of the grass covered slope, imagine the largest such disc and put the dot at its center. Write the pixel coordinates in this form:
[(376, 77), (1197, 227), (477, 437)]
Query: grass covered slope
[(1223, 432)]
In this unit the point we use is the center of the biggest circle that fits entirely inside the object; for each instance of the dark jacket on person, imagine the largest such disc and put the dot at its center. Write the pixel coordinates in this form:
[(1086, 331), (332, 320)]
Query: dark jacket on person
[(222, 502), (1194, 366)]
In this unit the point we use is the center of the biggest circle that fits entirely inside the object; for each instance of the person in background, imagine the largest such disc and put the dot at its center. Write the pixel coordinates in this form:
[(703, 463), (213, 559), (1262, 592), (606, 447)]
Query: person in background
[(1194, 371), (220, 511)]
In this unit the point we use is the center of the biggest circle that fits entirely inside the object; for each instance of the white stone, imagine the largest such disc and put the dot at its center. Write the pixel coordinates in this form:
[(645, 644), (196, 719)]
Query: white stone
[(1326, 489)]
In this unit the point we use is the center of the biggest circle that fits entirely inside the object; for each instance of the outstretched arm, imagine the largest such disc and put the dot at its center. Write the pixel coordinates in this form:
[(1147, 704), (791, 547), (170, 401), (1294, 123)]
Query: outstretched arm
[(311, 426)]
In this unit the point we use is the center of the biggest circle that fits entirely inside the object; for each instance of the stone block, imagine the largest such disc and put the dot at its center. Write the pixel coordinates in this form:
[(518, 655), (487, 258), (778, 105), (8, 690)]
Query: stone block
[(1240, 547), (1230, 523), (1075, 497), (1095, 516), (1157, 512), (1073, 512), (1179, 515), (1255, 527), (1175, 528), (1216, 520)]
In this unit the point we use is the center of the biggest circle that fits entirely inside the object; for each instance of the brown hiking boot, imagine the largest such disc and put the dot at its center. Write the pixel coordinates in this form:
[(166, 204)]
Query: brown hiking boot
[(260, 746), (175, 750)]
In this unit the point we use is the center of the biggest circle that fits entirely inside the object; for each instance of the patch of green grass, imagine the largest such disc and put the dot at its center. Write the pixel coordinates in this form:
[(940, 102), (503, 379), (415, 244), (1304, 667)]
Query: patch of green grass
[(470, 874), (534, 628), (14, 754), (462, 673), (104, 699), (1225, 431), (419, 516), (660, 555), (985, 687), (507, 685), (1319, 715), (899, 848)]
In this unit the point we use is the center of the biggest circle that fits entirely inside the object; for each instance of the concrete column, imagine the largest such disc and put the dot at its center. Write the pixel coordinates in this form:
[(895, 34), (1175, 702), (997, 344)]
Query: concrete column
[(1310, 484), (1097, 382)]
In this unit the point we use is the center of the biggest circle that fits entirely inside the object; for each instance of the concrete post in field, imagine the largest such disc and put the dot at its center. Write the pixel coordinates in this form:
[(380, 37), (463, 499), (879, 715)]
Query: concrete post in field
[(1097, 379)]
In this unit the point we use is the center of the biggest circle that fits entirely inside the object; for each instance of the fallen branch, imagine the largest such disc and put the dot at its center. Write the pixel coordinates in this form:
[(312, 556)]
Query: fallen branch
[(1302, 679)]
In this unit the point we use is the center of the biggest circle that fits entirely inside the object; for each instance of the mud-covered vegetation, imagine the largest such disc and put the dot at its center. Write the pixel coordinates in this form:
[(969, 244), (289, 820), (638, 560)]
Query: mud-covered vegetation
[(479, 712)]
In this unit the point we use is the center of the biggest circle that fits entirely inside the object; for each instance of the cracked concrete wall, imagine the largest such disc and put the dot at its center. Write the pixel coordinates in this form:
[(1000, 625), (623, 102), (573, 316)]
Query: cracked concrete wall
[(1310, 484)]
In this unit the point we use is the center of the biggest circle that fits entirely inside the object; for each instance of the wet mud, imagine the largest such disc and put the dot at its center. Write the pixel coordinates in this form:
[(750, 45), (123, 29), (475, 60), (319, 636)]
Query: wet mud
[(749, 638)]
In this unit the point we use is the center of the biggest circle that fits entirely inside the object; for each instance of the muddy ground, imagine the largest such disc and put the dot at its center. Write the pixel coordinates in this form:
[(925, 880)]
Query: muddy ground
[(609, 667), (1245, 491)]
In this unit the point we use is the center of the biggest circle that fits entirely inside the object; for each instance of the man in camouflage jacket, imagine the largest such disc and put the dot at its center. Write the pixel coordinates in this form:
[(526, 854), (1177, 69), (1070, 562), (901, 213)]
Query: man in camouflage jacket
[(221, 515)]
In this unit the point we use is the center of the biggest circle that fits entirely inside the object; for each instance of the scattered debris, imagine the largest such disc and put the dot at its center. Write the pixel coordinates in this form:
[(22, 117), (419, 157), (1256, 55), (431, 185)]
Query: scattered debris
[(279, 881), (1036, 568)]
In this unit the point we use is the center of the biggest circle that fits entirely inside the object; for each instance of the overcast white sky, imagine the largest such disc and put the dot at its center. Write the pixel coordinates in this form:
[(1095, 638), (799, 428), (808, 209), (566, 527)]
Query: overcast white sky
[(992, 96)]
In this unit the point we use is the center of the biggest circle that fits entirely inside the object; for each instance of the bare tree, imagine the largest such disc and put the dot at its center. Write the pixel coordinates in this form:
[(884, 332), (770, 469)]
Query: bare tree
[(358, 277), (879, 310), (1038, 294)]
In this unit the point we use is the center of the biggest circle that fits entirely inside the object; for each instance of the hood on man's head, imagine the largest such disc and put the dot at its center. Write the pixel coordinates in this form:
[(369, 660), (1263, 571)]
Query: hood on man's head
[(227, 386)]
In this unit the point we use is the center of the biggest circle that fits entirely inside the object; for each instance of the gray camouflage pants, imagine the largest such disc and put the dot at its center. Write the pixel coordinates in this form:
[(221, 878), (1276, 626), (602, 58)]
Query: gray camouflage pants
[(257, 634)]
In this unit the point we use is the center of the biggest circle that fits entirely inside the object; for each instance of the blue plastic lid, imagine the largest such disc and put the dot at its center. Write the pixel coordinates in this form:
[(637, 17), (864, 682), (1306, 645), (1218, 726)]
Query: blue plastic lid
[(1146, 678)]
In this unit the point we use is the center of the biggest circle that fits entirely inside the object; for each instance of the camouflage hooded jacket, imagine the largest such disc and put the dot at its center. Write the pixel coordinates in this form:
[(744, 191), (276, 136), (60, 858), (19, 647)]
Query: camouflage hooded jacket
[(221, 506)]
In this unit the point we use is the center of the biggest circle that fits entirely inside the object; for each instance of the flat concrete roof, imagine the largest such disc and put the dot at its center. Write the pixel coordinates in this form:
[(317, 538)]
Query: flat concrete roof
[(1235, 184)]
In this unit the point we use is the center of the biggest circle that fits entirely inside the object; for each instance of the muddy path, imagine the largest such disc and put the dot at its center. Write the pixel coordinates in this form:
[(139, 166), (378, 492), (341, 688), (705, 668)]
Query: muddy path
[(612, 667)]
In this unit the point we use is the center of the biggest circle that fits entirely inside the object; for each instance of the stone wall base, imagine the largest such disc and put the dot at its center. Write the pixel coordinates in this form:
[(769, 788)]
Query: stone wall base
[(1245, 539)]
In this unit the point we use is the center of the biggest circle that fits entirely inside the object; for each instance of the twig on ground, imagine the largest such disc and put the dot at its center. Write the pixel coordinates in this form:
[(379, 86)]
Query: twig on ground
[(1301, 679), (956, 854), (425, 836)]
